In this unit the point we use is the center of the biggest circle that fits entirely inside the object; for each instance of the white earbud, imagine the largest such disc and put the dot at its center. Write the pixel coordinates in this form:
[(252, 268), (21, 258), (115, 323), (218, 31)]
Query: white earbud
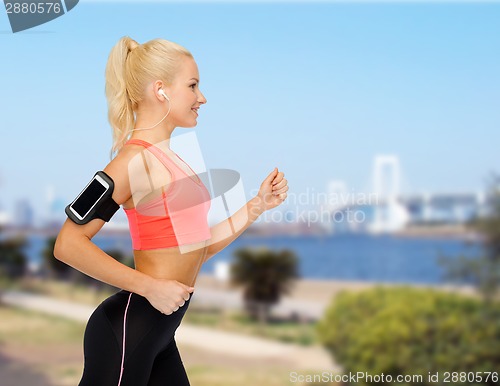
[(165, 95), (161, 92)]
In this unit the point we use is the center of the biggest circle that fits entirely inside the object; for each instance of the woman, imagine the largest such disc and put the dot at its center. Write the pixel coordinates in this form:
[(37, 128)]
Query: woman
[(129, 339)]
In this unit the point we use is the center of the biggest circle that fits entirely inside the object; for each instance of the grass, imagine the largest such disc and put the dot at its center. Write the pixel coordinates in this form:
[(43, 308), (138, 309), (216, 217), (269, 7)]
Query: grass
[(43, 341), (224, 376), (50, 339), (282, 330), (278, 329), (65, 290), (22, 327)]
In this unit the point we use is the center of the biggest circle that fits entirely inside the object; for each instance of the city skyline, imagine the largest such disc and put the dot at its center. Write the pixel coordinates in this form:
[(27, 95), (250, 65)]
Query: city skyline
[(338, 197), (316, 89)]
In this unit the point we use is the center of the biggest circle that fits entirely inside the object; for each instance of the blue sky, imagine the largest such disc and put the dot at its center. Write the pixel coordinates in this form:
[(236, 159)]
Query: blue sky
[(317, 89)]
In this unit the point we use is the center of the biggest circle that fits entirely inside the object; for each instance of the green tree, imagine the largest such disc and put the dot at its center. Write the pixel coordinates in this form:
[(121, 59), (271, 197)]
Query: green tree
[(265, 275), (13, 261), (483, 271)]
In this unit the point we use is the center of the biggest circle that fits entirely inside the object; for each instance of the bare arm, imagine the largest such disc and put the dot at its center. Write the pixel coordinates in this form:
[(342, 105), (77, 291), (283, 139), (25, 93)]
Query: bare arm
[(74, 247), (231, 228), (271, 194)]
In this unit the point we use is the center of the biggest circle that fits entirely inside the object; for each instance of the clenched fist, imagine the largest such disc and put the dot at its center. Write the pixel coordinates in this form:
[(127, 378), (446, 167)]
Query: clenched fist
[(273, 190)]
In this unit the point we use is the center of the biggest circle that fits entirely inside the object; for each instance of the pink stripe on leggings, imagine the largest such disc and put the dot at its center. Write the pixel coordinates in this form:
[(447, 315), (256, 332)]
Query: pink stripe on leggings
[(123, 349)]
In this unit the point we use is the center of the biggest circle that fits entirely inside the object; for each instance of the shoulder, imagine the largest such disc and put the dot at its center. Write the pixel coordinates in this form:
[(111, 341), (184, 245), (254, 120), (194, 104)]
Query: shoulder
[(121, 170)]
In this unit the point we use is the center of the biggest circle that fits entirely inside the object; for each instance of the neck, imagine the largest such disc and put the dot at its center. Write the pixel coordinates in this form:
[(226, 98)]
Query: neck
[(158, 134), (155, 138)]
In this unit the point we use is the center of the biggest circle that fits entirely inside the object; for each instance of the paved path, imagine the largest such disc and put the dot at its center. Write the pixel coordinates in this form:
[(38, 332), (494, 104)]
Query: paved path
[(211, 340), (232, 300), (16, 374)]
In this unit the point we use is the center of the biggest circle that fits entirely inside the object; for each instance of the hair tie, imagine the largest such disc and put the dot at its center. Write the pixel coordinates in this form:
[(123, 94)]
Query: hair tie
[(132, 45)]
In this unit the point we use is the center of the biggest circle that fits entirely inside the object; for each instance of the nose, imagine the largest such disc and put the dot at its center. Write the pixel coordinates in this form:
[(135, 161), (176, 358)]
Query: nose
[(201, 98)]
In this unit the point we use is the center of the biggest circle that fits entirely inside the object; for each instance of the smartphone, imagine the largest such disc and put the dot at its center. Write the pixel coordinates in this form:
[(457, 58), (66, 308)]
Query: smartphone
[(89, 197)]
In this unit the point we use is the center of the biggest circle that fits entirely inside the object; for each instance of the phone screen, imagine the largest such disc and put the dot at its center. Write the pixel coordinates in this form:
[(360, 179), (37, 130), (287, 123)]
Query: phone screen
[(88, 198)]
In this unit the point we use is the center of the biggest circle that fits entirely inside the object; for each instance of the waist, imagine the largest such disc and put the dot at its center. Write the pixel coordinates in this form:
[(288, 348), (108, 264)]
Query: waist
[(141, 309), (170, 263)]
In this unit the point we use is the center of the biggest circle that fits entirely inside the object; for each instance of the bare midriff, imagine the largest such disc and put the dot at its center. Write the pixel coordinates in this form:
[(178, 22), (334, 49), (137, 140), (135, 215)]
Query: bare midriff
[(176, 263), (171, 263)]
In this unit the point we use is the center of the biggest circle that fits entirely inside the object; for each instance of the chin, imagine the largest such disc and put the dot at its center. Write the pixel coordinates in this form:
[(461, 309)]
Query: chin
[(188, 125)]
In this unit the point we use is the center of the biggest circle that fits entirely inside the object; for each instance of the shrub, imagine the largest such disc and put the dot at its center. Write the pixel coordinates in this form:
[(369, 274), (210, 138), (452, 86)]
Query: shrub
[(408, 331)]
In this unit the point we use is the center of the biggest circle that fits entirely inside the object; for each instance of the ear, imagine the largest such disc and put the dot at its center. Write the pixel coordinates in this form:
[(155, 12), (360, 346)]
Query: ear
[(156, 86)]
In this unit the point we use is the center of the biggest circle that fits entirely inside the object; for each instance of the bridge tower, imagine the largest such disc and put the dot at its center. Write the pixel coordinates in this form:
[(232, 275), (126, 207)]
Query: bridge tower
[(390, 214)]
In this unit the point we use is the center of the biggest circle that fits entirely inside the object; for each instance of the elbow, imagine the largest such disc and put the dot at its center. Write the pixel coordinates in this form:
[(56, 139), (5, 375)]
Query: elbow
[(58, 248), (61, 246)]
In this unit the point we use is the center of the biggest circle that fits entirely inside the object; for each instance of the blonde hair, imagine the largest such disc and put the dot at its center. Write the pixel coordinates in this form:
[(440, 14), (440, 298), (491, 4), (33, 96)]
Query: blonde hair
[(130, 67)]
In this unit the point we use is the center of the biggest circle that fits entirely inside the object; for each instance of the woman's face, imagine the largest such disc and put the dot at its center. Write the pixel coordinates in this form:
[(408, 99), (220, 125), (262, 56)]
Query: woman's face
[(185, 95)]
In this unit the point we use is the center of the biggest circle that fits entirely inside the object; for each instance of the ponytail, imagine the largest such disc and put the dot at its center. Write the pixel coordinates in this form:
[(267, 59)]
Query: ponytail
[(120, 109)]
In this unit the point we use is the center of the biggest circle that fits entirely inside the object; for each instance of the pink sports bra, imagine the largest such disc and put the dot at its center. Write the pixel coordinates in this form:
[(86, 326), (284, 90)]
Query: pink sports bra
[(176, 217)]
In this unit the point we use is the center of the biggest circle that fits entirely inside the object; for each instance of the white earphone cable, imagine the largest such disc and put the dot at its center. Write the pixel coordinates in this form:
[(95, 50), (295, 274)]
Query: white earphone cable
[(152, 127)]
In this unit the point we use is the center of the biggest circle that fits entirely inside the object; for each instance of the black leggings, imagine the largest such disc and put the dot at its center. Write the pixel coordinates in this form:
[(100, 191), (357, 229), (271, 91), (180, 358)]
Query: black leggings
[(151, 356)]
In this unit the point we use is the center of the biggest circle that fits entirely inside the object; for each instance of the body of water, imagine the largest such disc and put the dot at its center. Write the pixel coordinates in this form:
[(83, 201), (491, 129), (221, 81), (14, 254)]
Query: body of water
[(382, 258)]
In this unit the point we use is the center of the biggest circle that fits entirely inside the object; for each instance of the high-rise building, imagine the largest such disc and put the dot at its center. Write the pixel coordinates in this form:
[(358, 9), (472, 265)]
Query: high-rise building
[(23, 214)]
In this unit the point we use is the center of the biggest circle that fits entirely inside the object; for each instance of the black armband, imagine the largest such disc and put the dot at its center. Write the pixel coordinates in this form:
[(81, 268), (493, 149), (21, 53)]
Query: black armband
[(94, 201)]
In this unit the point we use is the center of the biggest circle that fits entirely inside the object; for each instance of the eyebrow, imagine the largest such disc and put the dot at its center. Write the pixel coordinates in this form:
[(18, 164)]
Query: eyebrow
[(195, 79)]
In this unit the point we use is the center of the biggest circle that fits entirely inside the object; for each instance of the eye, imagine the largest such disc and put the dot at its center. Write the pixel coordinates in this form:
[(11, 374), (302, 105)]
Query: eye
[(193, 86)]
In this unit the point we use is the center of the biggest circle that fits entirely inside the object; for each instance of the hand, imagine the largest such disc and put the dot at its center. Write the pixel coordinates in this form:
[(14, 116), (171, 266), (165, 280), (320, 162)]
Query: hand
[(273, 190), (168, 295)]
